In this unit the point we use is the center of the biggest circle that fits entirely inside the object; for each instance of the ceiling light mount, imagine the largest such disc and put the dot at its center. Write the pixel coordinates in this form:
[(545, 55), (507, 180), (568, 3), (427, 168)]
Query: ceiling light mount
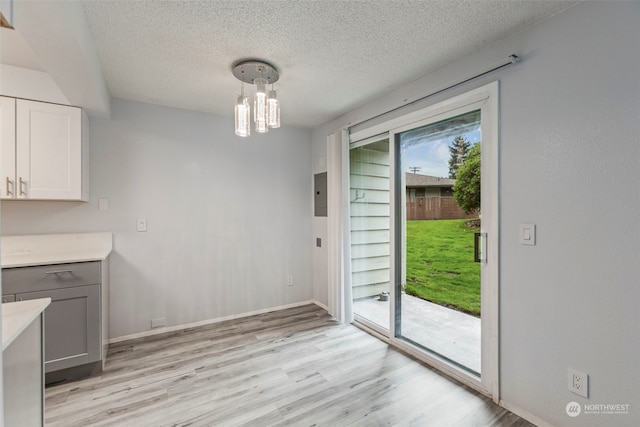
[(248, 71)]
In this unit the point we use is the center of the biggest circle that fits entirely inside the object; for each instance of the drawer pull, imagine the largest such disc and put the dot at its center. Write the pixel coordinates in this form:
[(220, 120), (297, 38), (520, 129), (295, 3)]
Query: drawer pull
[(58, 272), (8, 187), (21, 185)]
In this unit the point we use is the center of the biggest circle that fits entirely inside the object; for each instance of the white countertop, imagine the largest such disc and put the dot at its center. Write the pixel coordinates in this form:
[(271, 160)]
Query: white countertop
[(43, 249), (16, 316)]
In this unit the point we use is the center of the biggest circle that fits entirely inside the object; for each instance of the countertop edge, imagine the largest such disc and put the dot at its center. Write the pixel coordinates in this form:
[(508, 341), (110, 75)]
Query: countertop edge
[(12, 261), (47, 249)]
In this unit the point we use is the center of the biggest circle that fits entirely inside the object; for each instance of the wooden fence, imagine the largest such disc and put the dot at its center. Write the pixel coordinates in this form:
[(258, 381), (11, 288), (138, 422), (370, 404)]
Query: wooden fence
[(435, 208)]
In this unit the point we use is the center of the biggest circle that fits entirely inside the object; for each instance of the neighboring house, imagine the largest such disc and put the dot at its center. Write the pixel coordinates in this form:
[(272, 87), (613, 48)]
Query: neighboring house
[(370, 219), (431, 197)]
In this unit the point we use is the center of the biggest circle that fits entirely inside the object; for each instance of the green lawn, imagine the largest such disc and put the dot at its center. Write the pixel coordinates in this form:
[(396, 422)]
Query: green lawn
[(440, 266)]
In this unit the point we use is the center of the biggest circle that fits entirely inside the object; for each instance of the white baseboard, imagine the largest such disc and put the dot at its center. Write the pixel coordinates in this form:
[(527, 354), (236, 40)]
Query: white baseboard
[(321, 305), (208, 322), (524, 414)]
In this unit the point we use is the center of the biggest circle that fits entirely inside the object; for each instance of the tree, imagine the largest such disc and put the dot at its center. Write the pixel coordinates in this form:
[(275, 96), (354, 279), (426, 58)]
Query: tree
[(466, 190), (458, 153)]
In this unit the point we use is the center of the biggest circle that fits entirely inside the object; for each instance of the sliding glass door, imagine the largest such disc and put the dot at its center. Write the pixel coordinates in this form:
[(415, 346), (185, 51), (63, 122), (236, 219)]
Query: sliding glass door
[(424, 222)]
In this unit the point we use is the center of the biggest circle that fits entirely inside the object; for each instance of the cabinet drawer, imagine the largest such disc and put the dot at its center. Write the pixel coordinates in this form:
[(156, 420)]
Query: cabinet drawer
[(49, 277)]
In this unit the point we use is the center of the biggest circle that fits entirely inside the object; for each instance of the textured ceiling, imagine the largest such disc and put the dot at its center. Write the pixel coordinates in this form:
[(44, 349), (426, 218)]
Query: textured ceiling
[(332, 55)]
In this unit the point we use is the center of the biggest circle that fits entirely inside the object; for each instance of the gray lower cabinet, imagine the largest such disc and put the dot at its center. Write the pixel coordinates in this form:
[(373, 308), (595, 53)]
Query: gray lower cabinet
[(72, 322), (72, 326)]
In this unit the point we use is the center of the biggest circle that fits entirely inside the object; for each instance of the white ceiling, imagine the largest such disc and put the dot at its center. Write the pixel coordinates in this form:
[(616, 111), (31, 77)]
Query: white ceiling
[(332, 55)]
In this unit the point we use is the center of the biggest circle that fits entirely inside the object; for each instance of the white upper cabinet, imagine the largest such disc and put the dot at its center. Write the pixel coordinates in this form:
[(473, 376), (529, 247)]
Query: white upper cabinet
[(48, 152)]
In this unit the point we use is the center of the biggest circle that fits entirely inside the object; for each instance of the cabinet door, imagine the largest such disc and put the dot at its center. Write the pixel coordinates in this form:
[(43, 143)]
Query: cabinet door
[(48, 151), (72, 326), (8, 147)]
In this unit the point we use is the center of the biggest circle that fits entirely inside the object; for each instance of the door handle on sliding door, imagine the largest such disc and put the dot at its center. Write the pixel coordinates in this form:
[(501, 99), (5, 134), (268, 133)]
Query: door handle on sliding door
[(480, 247)]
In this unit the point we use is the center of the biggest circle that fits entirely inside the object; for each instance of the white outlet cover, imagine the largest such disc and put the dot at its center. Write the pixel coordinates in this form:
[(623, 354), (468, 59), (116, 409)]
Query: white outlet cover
[(578, 383), (159, 322)]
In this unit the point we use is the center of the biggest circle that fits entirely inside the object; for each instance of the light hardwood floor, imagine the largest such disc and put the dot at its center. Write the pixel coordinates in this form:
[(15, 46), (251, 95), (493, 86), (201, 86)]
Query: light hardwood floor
[(292, 367)]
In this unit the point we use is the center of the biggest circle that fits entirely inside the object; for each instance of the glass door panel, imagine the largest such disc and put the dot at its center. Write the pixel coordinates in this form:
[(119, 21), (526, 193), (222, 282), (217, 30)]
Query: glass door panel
[(438, 205), (370, 198)]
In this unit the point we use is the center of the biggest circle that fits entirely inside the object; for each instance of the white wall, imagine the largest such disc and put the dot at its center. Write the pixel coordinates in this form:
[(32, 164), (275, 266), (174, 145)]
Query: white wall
[(320, 224), (58, 34), (569, 162), (20, 82), (228, 218)]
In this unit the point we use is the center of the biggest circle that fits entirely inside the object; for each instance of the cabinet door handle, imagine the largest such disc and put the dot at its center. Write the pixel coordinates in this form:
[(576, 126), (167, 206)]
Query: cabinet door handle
[(58, 272), (9, 185), (21, 185)]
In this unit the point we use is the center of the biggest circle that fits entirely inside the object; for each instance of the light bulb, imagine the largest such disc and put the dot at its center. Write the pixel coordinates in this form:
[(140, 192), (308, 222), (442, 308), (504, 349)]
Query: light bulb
[(260, 106), (273, 110), (243, 127)]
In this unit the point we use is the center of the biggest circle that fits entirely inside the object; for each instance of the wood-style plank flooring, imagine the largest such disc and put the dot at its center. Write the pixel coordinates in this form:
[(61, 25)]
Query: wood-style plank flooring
[(292, 367)]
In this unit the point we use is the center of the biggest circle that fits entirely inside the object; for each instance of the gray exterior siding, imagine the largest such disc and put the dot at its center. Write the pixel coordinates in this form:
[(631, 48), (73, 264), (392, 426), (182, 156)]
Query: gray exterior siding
[(370, 219)]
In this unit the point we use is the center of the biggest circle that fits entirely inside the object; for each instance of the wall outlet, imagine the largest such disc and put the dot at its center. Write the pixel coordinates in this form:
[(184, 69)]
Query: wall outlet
[(578, 382), (159, 322), (290, 280)]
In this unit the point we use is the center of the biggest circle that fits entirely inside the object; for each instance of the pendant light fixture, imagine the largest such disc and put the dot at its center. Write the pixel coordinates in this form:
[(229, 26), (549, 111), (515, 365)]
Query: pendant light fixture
[(243, 112), (260, 106), (266, 108), (273, 109)]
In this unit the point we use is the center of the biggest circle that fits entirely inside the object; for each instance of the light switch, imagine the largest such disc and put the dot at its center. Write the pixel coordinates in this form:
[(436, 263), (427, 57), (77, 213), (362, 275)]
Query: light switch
[(141, 224), (103, 205), (528, 234)]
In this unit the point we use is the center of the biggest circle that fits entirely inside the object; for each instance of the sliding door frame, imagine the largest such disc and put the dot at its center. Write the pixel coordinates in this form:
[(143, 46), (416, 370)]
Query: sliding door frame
[(485, 99)]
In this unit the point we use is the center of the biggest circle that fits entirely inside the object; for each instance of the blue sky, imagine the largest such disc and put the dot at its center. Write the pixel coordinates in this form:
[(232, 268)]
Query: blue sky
[(432, 156)]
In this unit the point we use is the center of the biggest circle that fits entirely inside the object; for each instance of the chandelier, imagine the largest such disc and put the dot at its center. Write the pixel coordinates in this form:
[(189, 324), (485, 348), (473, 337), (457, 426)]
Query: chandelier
[(266, 108)]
